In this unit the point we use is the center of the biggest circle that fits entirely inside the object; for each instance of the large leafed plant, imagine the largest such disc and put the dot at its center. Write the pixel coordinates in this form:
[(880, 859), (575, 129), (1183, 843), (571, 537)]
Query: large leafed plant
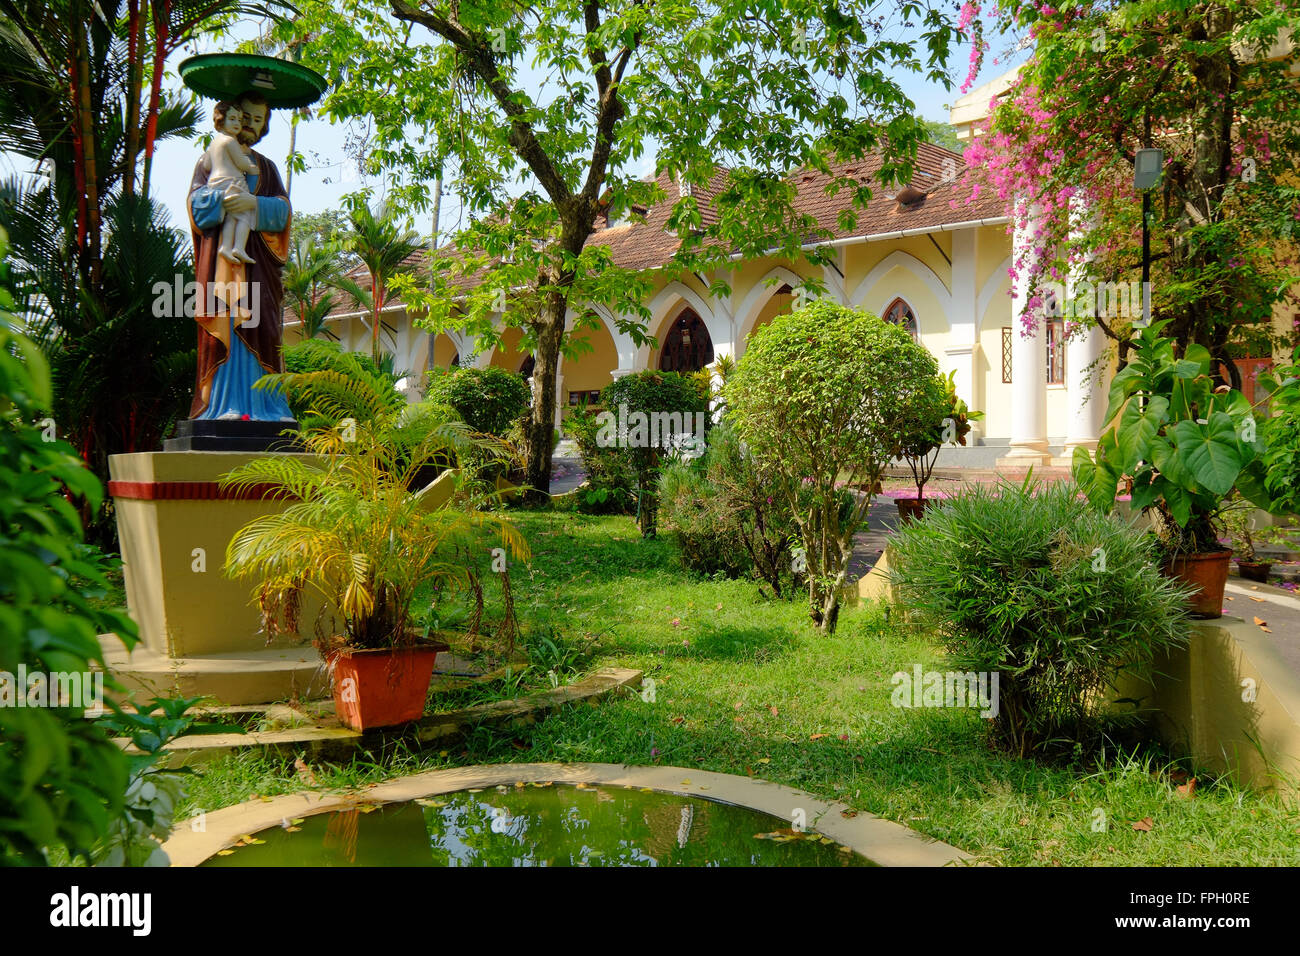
[(1184, 443)]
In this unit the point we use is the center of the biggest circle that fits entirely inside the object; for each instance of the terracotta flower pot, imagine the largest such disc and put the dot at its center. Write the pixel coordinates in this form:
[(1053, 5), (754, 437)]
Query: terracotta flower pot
[(911, 509), (1206, 572), (382, 687), (1254, 570)]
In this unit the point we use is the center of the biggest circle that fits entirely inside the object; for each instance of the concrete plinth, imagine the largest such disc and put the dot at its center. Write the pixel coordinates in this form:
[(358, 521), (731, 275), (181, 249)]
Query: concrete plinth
[(174, 524)]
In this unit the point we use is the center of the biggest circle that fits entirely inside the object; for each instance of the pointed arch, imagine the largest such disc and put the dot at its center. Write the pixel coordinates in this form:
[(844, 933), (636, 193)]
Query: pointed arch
[(898, 259), (757, 297)]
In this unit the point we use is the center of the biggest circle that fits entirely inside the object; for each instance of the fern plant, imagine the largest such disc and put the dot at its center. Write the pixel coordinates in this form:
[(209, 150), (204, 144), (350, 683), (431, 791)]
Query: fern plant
[(353, 534)]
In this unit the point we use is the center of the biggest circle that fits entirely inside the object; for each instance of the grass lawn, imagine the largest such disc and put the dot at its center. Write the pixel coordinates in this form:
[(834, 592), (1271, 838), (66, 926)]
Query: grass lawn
[(746, 686)]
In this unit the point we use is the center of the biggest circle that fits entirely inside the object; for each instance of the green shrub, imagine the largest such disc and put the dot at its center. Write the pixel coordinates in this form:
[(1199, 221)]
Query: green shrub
[(1036, 584), (639, 409), (611, 483), (729, 515), (489, 400), (62, 781), (819, 398)]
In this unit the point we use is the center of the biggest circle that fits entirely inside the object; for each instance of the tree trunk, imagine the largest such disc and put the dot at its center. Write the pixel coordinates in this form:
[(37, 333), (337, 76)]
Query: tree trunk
[(541, 426)]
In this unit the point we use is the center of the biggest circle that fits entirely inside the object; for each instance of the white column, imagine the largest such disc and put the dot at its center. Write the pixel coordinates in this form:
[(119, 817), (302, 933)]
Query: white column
[(1028, 368), (1087, 401)]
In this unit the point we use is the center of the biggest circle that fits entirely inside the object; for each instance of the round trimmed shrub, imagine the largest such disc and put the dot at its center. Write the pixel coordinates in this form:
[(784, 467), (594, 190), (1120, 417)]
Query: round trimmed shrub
[(489, 400), (820, 398), (1036, 584)]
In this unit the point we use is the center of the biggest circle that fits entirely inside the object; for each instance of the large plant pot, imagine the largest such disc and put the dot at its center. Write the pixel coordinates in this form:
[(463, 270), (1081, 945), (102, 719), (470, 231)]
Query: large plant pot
[(383, 687), (1206, 572), (912, 509), (1254, 570)]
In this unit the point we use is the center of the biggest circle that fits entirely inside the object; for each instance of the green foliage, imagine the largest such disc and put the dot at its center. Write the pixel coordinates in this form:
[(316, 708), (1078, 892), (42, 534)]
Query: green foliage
[(153, 791), (938, 415), (382, 246), (123, 357), (309, 276), (728, 514), (1282, 434), (1034, 583), (489, 400), (355, 535), (306, 397), (731, 99), (1185, 443), (645, 401), (820, 397), (611, 483), (61, 779)]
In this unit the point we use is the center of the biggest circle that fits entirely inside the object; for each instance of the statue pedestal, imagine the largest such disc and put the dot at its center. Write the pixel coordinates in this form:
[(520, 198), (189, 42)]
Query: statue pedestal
[(233, 435), (199, 629)]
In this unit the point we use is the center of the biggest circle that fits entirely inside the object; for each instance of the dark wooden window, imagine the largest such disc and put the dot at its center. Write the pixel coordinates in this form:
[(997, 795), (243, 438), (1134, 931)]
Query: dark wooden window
[(1006, 355), (687, 346), (900, 313)]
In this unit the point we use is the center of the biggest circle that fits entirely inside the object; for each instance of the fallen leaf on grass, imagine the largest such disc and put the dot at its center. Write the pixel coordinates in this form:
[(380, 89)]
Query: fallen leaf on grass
[(1188, 789), (225, 852), (763, 760), (1144, 825), (737, 705), (679, 720), (818, 736)]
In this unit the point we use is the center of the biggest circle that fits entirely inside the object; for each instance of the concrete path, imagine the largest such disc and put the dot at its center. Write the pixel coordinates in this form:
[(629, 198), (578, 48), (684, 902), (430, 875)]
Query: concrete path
[(1278, 609)]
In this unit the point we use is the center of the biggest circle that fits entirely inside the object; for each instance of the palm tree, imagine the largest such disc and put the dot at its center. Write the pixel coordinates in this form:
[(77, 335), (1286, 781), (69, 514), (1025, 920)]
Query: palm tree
[(309, 274), (383, 247)]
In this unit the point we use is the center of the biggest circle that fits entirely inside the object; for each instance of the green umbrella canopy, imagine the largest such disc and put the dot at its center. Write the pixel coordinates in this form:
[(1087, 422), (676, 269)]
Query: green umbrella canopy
[(224, 76)]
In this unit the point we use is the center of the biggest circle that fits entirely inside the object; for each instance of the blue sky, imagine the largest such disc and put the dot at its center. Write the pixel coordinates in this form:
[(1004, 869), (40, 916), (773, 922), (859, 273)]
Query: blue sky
[(330, 176)]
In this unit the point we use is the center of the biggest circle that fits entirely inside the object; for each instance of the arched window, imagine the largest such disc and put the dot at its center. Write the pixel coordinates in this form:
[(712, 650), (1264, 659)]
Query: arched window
[(900, 313), (687, 346)]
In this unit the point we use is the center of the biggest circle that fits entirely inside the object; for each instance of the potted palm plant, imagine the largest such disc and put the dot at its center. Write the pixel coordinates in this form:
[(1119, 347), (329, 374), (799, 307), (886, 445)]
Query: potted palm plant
[(938, 417), (357, 537), (1185, 444)]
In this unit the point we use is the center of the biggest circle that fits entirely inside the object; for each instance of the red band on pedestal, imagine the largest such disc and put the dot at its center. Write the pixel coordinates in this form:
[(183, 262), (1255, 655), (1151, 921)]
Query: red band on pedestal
[(192, 491)]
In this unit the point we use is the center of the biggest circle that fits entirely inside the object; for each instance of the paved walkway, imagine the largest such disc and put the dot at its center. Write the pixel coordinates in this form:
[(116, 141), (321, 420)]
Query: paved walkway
[(1278, 609)]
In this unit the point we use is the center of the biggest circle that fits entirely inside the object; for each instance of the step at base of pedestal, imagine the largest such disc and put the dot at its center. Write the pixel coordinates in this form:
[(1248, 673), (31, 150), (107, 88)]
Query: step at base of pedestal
[(248, 677)]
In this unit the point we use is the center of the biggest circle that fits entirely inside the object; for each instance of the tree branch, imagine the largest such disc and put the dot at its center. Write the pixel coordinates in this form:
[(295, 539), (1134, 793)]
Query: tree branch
[(522, 135)]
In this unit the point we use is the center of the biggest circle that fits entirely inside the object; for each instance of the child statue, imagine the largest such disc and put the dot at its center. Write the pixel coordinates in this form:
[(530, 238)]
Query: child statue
[(227, 162)]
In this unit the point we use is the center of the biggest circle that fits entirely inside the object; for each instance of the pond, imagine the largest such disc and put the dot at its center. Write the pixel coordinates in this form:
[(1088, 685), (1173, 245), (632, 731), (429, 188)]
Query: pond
[(540, 824)]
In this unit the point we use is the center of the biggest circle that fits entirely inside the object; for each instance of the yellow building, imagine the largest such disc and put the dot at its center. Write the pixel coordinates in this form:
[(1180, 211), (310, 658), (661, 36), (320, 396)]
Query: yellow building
[(925, 256)]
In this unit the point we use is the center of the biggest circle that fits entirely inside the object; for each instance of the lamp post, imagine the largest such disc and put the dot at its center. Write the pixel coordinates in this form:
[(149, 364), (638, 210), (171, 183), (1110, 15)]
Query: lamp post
[(1148, 166)]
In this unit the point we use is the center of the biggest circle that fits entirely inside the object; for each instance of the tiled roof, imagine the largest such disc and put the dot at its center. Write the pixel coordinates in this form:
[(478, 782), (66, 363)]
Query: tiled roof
[(937, 172)]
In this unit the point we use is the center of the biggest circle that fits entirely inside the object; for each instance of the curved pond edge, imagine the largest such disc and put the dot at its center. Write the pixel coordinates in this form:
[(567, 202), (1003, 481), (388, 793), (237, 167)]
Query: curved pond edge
[(881, 841)]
